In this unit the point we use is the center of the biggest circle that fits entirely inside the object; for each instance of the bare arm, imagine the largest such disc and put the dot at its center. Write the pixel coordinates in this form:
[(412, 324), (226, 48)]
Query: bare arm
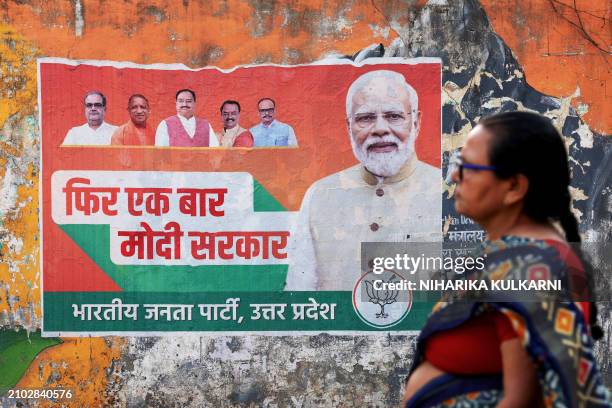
[(520, 376), (423, 374)]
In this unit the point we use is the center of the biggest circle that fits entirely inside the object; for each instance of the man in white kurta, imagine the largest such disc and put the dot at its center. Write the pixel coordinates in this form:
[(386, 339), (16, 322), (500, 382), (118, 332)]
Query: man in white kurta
[(96, 132), (389, 197)]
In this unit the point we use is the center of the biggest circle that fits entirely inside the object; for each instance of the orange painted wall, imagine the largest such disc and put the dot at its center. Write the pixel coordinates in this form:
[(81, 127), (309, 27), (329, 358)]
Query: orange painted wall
[(555, 55)]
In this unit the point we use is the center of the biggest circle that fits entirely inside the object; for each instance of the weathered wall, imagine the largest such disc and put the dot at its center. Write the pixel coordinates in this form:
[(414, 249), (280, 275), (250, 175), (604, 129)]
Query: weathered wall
[(539, 54)]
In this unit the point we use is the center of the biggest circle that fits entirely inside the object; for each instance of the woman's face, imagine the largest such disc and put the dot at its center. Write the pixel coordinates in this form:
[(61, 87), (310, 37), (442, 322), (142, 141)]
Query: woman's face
[(479, 194)]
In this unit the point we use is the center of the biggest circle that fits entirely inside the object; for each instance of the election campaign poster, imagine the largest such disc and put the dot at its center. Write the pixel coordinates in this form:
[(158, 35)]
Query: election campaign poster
[(209, 200)]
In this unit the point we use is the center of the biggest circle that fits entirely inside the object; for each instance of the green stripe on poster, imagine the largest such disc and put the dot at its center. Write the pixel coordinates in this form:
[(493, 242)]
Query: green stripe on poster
[(263, 200), (196, 312), (95, 242)]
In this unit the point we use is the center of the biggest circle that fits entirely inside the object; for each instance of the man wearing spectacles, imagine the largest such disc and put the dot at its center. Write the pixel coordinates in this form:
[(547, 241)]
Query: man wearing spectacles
[(96, 131), (233, 135), (184, 129), (271, 132), (390, 196)]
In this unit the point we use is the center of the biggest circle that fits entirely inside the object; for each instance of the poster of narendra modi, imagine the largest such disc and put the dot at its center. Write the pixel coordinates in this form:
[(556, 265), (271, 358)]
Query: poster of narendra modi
[(208, 200), (390, 195)]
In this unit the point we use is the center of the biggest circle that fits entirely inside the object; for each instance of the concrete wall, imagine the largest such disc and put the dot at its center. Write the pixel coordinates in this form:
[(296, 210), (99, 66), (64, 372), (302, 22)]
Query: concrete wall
[(541, 55)]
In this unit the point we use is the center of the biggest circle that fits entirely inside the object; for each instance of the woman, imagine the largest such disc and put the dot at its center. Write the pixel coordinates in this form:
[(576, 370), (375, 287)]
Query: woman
[(513, 180)]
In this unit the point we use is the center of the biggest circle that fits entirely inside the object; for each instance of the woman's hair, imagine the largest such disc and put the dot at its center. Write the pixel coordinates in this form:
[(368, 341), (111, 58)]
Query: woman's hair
[(527, 143)]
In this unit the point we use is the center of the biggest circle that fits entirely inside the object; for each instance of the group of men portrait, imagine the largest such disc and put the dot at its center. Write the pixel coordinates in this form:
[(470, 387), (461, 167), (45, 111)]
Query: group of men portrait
[(184, 129)]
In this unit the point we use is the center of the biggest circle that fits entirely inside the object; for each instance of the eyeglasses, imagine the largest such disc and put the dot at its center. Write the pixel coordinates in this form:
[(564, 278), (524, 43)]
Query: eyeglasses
[(271, 110), (456, 163), (364, 120), (94, 105)]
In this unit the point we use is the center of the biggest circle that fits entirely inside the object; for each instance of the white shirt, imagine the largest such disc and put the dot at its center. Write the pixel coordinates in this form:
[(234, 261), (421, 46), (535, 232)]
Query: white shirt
[(162, 138), (85, 135), (343, 210), (275, 134)]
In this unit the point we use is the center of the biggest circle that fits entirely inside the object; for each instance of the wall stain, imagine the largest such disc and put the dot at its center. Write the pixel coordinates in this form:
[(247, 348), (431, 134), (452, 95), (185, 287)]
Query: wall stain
[(554, 54), (490, 63)]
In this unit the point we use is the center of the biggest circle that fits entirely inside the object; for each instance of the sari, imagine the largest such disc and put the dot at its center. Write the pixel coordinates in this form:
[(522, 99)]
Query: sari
[(551, 328)]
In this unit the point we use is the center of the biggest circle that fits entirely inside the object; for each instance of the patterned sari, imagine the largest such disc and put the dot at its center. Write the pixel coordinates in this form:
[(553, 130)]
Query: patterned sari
[(551, 328)]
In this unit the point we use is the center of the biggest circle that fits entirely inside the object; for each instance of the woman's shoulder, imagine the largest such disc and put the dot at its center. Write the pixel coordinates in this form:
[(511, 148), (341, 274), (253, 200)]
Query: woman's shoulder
[(516, 242), (525, 257), (521, 245)]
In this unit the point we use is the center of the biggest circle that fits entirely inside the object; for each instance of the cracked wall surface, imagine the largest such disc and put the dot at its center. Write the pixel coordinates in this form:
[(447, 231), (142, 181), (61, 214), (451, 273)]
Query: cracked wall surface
[(540, 55)]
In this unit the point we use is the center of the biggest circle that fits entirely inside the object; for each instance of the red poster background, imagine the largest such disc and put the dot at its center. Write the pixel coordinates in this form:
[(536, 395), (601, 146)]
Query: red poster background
[(309, 98)]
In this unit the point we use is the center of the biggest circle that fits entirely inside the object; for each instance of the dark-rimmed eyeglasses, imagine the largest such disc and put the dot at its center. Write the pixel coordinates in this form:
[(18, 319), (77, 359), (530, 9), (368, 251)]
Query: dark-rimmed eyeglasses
[(264, 111), (458, 164), (94, 105)]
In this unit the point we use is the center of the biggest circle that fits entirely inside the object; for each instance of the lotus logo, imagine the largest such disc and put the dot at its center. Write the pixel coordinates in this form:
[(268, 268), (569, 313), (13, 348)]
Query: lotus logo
[(377, 305), (381, 297)]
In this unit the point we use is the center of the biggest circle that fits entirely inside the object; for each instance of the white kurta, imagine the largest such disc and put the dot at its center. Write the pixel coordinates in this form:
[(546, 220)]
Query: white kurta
[(343, 210), (84, 135)]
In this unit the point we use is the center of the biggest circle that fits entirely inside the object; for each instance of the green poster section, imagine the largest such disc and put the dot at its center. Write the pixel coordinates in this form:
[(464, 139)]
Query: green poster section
[(17, 350), (94, 240), (59, 312), (263, 200), (203, 285)]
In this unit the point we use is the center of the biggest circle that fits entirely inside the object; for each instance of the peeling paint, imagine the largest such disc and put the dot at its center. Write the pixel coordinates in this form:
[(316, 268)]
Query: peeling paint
[(79, 22), (577, 195), (586, 136), (298, 367), (79, 365), (490, 63), (380, 31), (8, 191), (19, 302), (15, 245), (18, 73), (570, 57)]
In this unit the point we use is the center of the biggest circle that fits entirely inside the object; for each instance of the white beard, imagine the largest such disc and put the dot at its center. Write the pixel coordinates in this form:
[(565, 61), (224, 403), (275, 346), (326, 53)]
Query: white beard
[(384, 164)]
